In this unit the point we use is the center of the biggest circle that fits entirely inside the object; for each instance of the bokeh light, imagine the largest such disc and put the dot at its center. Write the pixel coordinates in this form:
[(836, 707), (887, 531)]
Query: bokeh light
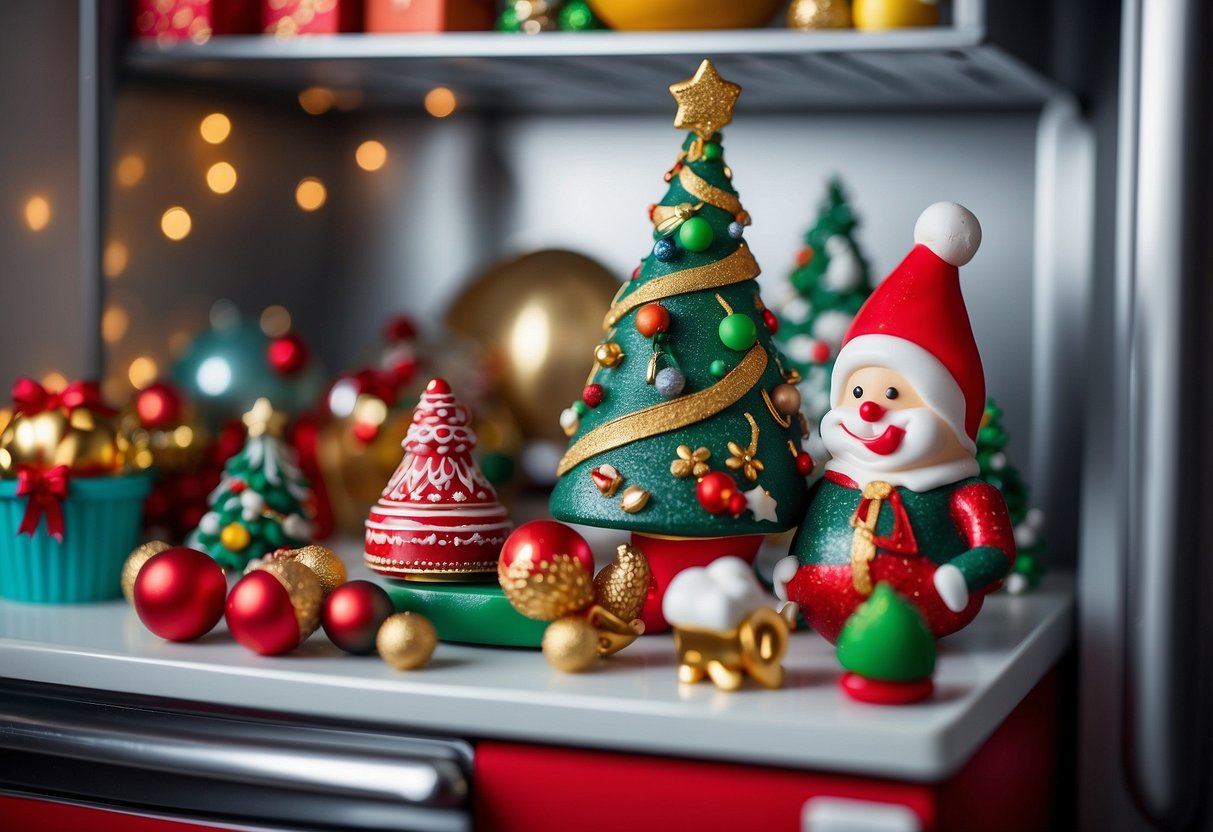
[(221, 177), (440, 102), (130, 170), (316, 100), (275, 321), (371, 155), (176, 223), (114, 323), (215, 128), (310, 193), (142, 372), (37, 213), (115, 258)]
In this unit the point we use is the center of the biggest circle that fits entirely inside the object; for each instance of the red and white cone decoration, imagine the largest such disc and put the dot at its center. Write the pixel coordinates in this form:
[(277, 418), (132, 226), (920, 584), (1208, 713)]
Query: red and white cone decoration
[(438, 518)]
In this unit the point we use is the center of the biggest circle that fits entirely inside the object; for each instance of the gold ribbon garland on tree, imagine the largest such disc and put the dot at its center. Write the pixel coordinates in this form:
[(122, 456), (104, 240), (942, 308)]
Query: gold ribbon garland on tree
[(738, 267)]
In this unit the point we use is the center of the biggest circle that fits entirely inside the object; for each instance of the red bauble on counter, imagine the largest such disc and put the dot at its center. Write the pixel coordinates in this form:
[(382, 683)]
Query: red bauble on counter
[(272, 609), (178, 594), (353, 613)]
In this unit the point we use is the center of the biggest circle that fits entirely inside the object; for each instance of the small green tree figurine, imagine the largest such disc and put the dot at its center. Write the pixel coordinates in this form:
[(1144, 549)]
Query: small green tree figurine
[(688, 426), (263, 500), (829, 284), (997, 470)]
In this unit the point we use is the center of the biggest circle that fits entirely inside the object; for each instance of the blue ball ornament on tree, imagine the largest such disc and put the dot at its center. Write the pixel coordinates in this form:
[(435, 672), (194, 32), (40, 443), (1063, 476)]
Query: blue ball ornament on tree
[(670, 381), (665, 250)]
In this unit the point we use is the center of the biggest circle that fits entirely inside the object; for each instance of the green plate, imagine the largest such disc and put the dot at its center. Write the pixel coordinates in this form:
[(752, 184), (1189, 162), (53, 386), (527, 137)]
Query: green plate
[(469, 613)]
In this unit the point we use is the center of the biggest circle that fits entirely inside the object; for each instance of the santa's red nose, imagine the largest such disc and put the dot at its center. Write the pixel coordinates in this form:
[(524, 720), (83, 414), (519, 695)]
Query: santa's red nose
[(871, 412)]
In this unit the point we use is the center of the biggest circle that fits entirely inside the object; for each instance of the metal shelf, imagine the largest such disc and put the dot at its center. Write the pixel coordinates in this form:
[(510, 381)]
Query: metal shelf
[(593, 72)]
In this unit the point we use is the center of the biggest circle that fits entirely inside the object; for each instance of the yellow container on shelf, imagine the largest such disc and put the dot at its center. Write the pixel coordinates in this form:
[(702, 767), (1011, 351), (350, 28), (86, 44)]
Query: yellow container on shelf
[(667, 15)]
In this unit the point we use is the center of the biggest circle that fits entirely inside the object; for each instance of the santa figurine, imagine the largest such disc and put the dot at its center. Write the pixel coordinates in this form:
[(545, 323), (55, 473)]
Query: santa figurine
[(900, 501)]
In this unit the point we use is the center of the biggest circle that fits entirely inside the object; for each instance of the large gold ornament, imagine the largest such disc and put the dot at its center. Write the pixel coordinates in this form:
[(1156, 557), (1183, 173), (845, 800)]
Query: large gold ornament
[(555, 587), (808, 15), (677, 15), (705, 101), (406, 640), (135, 561), (535, 317), (87, 442)]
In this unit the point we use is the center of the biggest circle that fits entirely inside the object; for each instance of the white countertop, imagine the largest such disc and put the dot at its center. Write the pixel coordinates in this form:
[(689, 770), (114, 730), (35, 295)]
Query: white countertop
[(631, 702)]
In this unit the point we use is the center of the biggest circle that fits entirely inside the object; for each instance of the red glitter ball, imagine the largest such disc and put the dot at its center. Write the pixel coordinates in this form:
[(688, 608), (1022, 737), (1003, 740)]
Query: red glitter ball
[(592, 395), (821, 352)]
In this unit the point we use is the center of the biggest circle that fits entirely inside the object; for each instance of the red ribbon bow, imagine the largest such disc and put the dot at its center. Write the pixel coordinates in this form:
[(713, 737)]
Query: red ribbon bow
[(46, 490), (30, 397)]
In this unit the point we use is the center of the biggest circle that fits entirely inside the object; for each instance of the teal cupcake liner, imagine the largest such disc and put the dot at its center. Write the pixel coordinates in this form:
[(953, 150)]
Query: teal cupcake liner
[(101, 526)]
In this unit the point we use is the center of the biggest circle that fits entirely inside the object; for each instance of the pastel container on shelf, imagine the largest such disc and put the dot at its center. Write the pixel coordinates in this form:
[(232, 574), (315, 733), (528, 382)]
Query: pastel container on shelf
[(672, 15), (101, 517)]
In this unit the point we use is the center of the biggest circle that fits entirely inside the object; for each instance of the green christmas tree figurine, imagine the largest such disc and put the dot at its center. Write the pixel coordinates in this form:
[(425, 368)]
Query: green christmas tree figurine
[(887, 650), (687, 432), (831, 281), (1027, 522), (263, 500)]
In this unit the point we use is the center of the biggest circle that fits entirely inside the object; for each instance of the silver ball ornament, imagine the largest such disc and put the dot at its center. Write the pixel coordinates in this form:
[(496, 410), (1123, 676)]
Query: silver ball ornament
[(736, 230), (669, 382)]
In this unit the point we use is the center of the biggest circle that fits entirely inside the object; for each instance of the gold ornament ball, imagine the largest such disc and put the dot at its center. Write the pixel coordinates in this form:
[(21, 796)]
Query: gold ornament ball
[(235, 537), (570, 644), (537, 317), (304, 589), (623, 584), (406, 640), (324, 562), (85, 442), (786, 399), (135, 561), (608, 354), (808, 15)]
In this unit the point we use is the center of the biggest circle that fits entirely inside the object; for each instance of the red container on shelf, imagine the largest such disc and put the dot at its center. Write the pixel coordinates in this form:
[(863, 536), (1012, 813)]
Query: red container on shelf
[(429, 15), (195, 20), (287, 18)]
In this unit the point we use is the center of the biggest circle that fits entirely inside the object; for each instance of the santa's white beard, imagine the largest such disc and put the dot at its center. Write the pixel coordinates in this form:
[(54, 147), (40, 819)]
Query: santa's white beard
[(915, 464)]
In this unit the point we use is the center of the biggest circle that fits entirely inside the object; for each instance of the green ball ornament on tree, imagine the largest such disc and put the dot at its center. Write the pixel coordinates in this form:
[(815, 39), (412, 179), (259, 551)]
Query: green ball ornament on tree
[(695, 234), (692, 399), (738, 332)]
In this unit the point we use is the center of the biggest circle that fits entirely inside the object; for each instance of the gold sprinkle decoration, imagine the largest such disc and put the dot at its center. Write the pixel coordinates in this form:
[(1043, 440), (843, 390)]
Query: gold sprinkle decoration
[(705, 101), (634, 499), (304, 590), (792, 450), (670, 415), (690, 463), (556, 587), (728, 310), (705, 191), (736, 268), (744, 459), (780, 419), (326, 563)]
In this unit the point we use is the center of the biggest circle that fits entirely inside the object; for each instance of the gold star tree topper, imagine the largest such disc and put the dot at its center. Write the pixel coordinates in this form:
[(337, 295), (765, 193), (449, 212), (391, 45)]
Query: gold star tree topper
[(705, 101), (262, 419)]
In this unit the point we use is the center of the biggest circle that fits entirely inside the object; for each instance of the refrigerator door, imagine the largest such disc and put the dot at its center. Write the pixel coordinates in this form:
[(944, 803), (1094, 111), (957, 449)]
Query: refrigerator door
[(1162, 324)]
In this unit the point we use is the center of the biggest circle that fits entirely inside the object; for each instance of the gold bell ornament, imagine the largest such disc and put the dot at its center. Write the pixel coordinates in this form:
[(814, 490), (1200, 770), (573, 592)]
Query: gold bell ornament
[(725, 627)]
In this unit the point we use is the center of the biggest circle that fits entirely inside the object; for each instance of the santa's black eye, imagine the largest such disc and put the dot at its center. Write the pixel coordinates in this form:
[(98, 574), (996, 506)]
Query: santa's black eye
[(891, 393), (858, 392)]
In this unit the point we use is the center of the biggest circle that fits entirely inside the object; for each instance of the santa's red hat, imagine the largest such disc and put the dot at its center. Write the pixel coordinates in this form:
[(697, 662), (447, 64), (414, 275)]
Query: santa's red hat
[(916, 323)]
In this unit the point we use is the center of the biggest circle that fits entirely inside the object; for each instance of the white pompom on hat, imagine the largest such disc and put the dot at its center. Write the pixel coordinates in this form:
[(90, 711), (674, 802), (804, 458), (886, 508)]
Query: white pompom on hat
[(916, 323)]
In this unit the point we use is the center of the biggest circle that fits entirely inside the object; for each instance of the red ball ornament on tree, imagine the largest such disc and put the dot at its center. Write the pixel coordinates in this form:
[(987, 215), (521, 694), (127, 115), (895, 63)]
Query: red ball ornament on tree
[(353, 613), (287, 354), (179, 594), (400, 328), (718, 493), (541, 539), (651, 319), (804, 464), (820, 353), (592, 395), (159, 406), (771, 322)]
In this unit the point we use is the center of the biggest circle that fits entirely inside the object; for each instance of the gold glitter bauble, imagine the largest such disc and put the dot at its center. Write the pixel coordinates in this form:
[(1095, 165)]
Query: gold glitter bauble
[(406, 640), (84, 441), (553, 588), (305, 592), (622, 585), (570, 644), (809, 15), (135, 561), (327, 565)]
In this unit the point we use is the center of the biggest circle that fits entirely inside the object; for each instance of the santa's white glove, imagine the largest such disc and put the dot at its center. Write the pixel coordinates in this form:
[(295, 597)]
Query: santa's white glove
[(951, 586), (785, 570)]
